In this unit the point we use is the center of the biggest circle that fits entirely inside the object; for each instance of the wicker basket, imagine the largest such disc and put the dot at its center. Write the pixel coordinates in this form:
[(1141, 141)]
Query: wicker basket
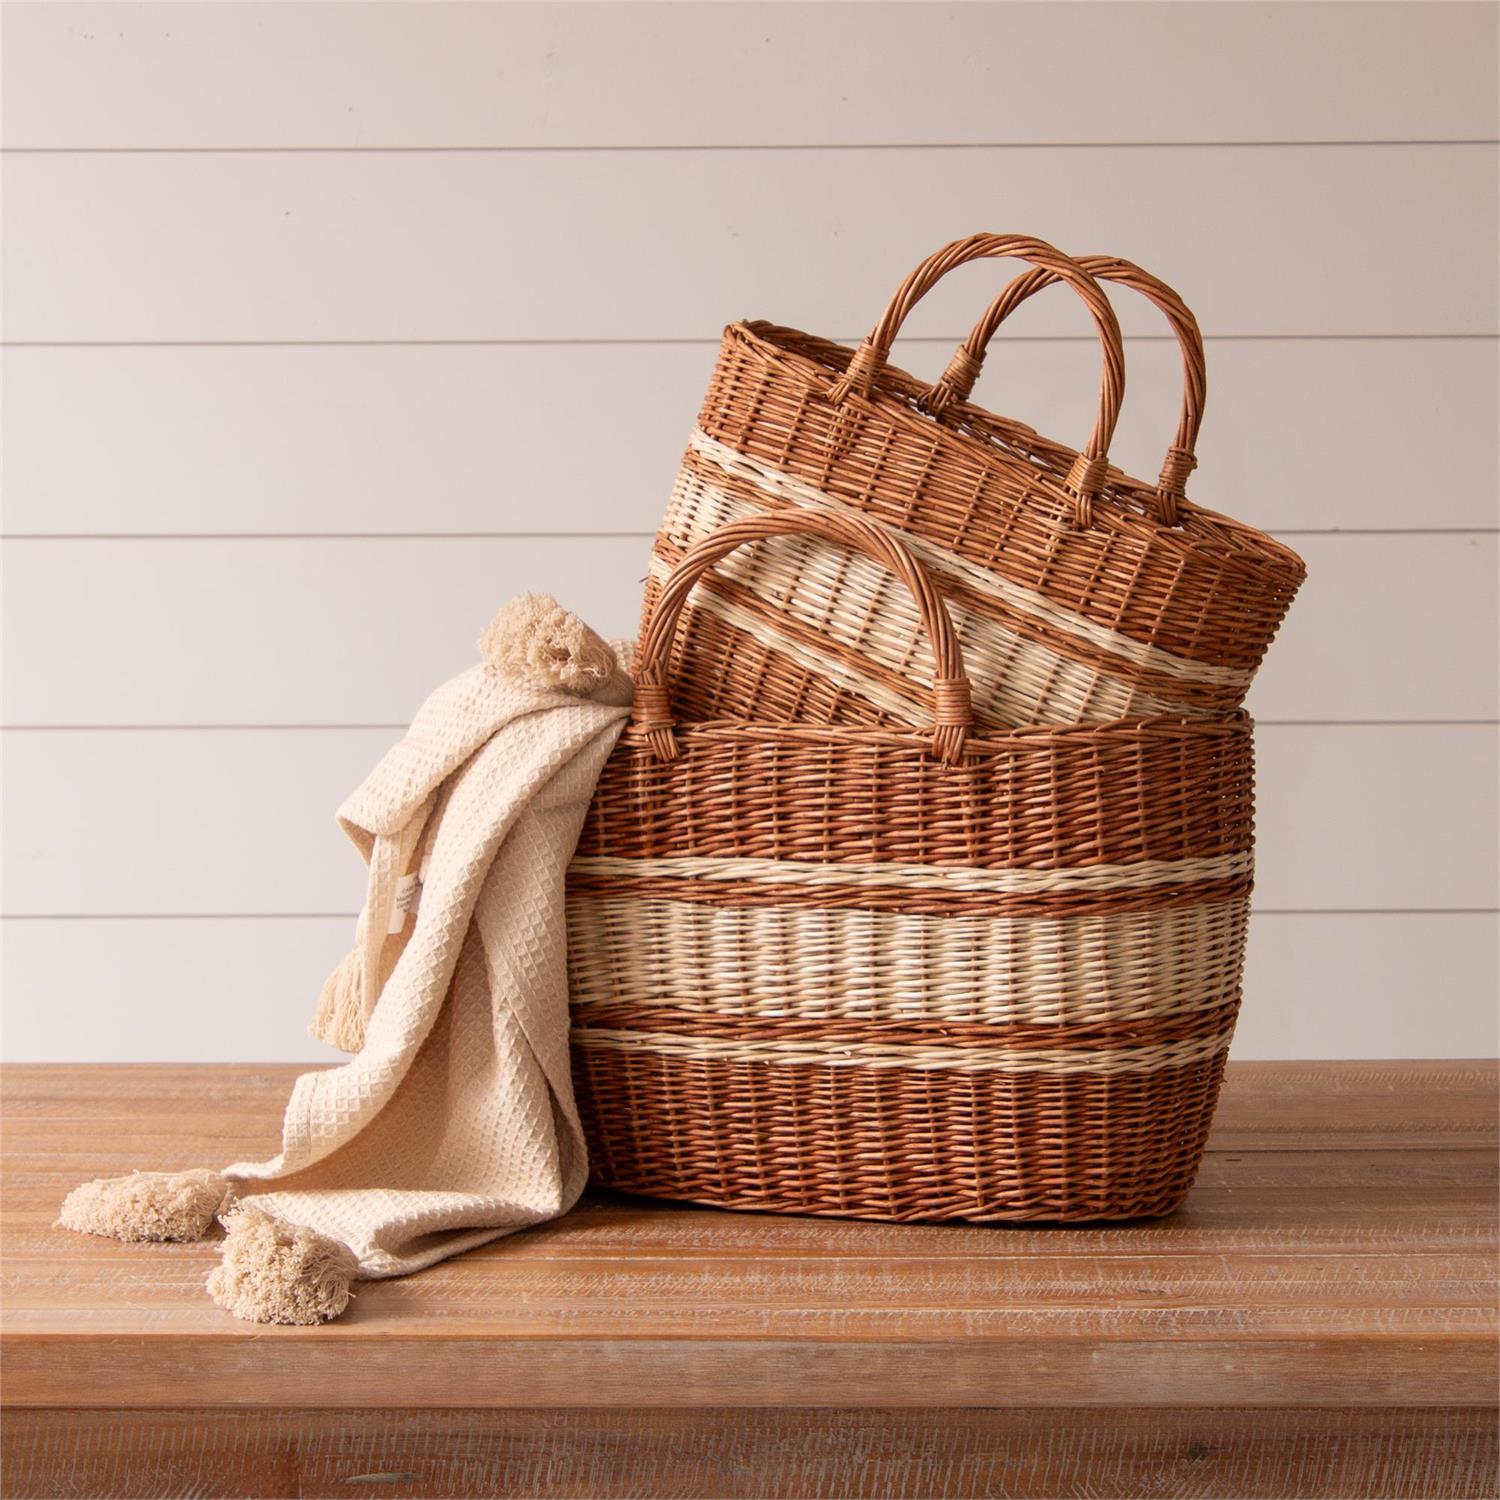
[(1075, 602), (862, 971)]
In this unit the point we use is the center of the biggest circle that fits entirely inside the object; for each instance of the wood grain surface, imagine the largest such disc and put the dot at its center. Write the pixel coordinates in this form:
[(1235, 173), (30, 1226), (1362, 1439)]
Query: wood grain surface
[(1318, 1320), (724, 1453)]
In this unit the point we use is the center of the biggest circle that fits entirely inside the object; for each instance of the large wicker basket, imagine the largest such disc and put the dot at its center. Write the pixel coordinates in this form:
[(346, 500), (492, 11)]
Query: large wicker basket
[(1080, 594), (863, 971)]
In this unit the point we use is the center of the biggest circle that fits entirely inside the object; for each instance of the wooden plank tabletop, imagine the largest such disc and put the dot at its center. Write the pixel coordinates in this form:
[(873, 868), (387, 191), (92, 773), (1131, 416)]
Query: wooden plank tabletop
[(1338, 1249)]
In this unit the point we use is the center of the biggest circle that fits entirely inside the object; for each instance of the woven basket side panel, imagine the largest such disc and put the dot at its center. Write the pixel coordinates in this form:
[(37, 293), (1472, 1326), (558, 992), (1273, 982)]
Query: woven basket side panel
[(819, 972), (1107, 796), (795, 628), (899, 1145), (1219, 600)]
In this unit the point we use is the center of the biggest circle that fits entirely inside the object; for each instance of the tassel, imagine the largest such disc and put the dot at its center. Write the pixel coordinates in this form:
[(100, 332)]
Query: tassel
[(340, 1018), (275, 1272), (146, 1206), (534, 639)]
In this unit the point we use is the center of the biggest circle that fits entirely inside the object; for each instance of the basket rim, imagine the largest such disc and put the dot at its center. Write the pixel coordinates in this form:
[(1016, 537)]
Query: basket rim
[(994, 742), (1202, 535)]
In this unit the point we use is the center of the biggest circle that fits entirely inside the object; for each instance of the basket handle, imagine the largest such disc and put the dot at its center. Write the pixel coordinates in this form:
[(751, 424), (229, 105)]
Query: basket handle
[(953, 716), (1087, 473), (955, 383)]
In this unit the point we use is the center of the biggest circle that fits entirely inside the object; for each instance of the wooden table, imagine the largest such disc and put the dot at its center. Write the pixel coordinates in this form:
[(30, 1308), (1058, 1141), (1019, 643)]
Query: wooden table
[(1319, 1320)]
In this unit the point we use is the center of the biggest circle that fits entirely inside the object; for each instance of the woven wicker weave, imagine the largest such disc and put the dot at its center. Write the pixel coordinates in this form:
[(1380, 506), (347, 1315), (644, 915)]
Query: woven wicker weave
[(1073, 601), (863, 971)]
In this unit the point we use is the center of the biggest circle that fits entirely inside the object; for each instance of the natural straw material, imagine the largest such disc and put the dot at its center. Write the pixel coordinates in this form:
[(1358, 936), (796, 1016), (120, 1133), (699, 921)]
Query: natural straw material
[(1075, 600), (860, 971)]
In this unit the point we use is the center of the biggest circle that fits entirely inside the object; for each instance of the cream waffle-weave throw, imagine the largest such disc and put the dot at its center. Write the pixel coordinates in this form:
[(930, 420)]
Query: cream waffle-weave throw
[(455, 1123)]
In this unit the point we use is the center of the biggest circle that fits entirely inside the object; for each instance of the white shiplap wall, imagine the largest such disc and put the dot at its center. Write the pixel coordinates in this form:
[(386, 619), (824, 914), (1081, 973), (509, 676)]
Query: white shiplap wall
[(303, 298)]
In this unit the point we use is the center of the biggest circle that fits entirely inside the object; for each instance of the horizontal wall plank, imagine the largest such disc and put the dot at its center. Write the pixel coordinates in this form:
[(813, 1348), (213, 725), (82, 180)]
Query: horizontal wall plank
[(562, 75), (188, 991), (338, 631), (1362, 986), (240, 822), (561, 438), (182, 822), (1388, 627), (175, 990), (306, 631), (662, 244)]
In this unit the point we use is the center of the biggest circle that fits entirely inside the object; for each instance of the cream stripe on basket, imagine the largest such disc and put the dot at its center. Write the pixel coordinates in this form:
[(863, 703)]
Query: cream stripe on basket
[(1139, 875), (835, 668), (981, 579), (820, 963), (908, 1057), (1016, 680)]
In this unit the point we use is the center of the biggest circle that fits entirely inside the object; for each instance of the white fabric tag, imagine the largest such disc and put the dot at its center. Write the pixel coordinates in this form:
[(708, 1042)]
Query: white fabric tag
[(407, 895)]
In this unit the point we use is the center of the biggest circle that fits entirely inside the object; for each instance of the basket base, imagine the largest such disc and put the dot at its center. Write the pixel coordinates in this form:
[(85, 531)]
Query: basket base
[(898, 1145), (993, 1214)]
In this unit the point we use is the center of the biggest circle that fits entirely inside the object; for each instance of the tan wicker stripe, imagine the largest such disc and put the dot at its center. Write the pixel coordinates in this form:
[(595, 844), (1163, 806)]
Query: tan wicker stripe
[(1141, 875), (1017, 679), (981, 579), (1129, 739), (836, 963), (905, 1056), (1104, 1036)]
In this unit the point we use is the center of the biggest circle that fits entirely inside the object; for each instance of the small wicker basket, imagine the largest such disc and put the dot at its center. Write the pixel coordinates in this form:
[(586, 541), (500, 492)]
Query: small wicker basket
[(861, 971), (1080, 595)]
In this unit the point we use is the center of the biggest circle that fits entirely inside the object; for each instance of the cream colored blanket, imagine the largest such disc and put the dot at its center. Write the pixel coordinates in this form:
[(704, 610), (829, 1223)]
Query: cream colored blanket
[(455, 1121)]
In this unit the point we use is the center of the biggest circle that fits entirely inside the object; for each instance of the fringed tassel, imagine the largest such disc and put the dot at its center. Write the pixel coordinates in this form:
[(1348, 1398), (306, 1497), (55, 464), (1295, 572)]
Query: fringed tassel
[(146, 1206), (534, 639), (275, 1272), (340, 1018)]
